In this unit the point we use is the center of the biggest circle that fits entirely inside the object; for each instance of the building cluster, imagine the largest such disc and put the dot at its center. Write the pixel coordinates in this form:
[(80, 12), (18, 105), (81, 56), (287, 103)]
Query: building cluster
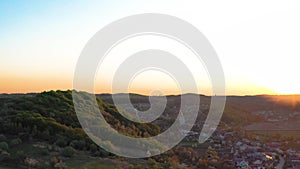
[(244, 153)]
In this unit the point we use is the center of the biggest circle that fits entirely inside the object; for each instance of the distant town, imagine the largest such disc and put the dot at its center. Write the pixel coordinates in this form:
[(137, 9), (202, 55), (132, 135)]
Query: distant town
[(41, 130)]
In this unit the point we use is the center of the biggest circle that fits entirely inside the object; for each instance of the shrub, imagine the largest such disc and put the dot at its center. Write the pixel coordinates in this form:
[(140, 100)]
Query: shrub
[(15, 142), (53, 161), (45, 135), (2, 137), (78, 144), (61, 142), (19, 156), (44, 151), (93, 148), (3, 146), (68, 151), (4, 156), (139, 166)]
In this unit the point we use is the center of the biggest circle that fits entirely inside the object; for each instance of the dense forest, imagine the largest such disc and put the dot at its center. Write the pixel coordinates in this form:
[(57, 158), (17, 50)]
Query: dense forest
[(42, 130), (49, 118)]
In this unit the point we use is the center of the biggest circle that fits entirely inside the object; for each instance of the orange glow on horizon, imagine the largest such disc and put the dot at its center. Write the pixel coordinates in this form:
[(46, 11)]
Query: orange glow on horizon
[(27, 84), (289, 100), (38, 83)]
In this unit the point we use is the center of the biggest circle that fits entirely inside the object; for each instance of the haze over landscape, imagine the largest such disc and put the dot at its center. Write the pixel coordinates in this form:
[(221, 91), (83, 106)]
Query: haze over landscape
[(46, 121)]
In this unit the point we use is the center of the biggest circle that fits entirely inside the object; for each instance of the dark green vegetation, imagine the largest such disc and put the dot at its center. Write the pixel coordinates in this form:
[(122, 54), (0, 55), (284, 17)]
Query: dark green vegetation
[(234, 112), (42, 130)]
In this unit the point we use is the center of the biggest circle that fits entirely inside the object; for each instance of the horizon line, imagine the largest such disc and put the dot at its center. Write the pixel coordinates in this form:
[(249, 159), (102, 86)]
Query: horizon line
[(106, 93)]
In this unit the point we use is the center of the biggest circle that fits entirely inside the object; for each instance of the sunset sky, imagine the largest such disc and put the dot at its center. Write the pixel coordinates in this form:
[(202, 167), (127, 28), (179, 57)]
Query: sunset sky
[(258, 42)]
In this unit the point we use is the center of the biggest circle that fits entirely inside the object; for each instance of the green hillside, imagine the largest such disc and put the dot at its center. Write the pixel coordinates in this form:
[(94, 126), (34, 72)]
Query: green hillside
[(49, 119)]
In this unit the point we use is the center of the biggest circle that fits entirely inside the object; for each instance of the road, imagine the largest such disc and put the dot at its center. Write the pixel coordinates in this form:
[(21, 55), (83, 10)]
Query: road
[(281, 163)]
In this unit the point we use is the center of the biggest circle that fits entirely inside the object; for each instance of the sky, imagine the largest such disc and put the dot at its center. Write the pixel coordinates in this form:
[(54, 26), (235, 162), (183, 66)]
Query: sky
[(256, 41)]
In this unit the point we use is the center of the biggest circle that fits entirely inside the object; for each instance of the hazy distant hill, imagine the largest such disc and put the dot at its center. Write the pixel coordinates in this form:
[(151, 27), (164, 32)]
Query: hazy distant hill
[(267, 102), (239, 110), (234, 112)]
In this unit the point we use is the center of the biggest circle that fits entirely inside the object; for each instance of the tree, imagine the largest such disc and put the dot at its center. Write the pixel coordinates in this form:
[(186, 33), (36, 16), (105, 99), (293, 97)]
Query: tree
[(45, 135), (93, 148), (44, 151), (139, 166), (15, 142), (78, 144), (153, 163), (174, 162), (2, 137), (3, 146), (68, 151), (19, 156), (203, 163), (53, 161), (61, 142)]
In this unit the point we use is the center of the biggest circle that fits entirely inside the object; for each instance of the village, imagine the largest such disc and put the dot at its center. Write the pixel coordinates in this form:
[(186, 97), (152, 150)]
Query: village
[(237, 150)]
